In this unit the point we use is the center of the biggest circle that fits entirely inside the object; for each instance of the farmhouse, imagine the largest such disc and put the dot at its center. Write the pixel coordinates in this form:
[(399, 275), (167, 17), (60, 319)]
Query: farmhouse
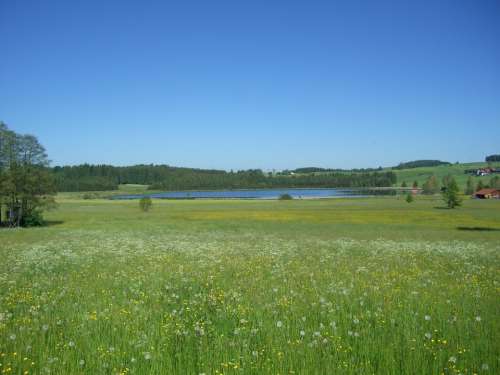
[(484, 171), (487, 193)]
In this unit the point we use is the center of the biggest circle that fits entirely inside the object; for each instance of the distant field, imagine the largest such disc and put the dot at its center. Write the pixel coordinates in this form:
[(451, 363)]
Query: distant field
[(348, 286), (456, 170)]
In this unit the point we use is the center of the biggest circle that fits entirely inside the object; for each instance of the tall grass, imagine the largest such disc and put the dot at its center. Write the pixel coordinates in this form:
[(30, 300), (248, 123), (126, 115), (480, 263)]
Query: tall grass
[(211, 302)]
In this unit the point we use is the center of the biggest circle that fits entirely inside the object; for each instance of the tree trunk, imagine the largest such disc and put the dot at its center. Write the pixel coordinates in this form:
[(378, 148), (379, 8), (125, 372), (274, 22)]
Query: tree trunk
[(19, 215)]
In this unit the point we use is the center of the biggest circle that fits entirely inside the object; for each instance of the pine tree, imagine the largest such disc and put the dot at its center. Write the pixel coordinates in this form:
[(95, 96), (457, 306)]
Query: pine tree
[(409, 197)]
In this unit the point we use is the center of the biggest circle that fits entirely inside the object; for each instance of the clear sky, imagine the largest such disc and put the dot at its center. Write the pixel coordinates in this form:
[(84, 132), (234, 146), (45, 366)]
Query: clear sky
[(253, 84)]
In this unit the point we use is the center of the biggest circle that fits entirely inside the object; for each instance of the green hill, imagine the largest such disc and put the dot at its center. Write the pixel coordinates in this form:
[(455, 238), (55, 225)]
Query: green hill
[(456, 170)]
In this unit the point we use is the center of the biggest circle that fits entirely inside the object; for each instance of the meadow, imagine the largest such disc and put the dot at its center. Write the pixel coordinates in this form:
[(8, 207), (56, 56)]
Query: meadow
[(332, 286), (456, 170)]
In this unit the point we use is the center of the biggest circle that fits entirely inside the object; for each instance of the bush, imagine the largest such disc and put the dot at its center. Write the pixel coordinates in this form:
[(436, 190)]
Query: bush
[(145, 203), (33, 219), (285, 197)]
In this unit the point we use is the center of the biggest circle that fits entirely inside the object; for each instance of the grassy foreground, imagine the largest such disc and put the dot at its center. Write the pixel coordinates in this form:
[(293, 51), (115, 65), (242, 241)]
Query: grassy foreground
[(348, 286)]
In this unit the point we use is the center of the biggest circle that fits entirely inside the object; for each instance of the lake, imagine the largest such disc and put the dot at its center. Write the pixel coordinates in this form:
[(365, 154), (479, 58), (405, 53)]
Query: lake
[(265, 193)]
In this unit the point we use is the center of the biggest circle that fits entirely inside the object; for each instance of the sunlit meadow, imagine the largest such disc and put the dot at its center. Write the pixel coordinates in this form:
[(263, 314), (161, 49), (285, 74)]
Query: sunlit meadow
[(222, 288)]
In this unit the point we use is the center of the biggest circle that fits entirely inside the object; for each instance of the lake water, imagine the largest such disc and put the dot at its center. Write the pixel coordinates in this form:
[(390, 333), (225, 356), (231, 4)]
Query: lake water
[(262, 194)]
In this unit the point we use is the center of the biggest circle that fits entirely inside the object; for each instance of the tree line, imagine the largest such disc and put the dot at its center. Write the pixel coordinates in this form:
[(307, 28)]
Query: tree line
[(492, 158), (87, 177), (421, 163), (26, 182)]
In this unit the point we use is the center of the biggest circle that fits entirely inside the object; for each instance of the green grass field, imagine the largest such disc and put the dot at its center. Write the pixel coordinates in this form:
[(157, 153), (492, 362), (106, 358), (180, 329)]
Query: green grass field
[(340, 286), (456, 170)]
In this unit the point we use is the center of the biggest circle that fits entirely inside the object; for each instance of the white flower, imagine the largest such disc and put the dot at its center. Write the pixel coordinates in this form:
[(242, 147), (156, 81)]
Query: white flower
[(279, 324), (427, 317), (428, 336), (71, 344), (478, 318), (45, 327), (81, 362), (355, 321), (452, 359), (147, 356), (12, 337), (302, 333)]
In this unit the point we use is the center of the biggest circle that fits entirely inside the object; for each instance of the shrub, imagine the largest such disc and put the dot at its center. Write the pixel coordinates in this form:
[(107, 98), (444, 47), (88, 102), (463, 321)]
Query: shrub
[(33, 219), (145, 203), (285, 197)]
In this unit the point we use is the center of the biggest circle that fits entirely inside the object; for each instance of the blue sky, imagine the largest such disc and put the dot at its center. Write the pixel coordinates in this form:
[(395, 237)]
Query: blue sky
[(254, 84)]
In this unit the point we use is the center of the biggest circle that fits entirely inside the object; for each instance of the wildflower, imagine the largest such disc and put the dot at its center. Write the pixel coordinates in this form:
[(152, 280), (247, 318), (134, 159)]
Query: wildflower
[(81, 362), (279, 324), (45, 327), (302, 333), (147, 356), (452, 359), (71, 344), (478, 318), (12, 337), (355, 321), (427, 317), (428, 336)]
